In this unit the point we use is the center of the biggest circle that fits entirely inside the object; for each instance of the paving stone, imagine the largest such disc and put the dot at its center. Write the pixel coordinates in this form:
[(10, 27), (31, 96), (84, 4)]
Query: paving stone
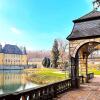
[(88, 91)]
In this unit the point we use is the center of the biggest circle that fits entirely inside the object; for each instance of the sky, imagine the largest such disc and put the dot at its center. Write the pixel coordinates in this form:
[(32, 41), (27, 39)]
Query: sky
[(36, 23)]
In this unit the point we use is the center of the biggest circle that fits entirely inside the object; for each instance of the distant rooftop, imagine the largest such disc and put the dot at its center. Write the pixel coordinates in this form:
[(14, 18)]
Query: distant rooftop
[(12, 49)]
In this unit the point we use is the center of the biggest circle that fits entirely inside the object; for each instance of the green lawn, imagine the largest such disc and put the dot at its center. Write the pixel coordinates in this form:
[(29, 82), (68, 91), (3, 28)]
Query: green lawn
[(45, 75), (96, 72), (49, 75)]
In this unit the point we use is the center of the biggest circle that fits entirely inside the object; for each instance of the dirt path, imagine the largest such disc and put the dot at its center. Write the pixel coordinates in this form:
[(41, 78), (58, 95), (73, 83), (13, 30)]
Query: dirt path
[(87, 91)]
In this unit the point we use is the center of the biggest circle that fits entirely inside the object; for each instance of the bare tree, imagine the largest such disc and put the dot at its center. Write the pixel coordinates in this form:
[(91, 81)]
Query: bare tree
[(63, 50), (38, 54)]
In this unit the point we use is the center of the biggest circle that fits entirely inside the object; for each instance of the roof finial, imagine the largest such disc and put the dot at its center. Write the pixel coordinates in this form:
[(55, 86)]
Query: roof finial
[(96, 4)]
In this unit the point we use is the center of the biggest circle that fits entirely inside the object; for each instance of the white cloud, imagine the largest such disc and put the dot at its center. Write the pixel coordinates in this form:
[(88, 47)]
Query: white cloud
[(16, 31)]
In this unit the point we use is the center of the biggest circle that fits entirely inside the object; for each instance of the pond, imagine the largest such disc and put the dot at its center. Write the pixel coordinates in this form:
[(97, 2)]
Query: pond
[(14, 80)]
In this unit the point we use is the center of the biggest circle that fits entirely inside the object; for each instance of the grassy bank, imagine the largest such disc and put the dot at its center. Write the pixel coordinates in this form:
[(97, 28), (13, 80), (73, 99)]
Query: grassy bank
[(96, 72), (45, 75)]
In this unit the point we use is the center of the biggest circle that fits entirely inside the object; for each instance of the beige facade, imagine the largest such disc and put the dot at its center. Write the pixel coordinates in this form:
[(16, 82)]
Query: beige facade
[(12, 55), (74, 45), (13, 59), (36, 61), (81, 46)]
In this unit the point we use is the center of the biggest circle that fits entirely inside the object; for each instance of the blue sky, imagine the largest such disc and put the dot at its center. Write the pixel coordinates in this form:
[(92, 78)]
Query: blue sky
[(36, 23)]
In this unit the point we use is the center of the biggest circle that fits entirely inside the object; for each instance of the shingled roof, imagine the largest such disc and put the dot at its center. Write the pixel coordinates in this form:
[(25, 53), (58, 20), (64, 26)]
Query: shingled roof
[(91, 15), (86, 26)]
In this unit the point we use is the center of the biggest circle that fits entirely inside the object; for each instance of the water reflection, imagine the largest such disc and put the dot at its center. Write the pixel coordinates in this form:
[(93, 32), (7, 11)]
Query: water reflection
[(13, 80)]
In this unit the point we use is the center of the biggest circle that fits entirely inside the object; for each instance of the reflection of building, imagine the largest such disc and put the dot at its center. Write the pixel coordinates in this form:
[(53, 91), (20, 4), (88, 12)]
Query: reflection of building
[(12, 55), (14, 80), (11, 80)]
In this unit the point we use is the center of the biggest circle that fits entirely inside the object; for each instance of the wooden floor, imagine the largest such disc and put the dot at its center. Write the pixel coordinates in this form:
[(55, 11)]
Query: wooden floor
[(87, 91)]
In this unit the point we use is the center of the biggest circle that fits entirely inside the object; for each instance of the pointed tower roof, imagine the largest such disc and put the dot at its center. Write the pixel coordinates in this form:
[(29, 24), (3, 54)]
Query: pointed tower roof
[(86, 26)]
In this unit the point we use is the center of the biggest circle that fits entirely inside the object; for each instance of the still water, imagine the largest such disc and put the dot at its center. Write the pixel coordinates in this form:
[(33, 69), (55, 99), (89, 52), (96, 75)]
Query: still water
[(14, 80)]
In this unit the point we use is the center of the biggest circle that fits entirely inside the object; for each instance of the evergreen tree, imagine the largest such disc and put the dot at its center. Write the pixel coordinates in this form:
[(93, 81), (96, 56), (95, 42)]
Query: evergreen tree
[(55, 54), (46, 62)]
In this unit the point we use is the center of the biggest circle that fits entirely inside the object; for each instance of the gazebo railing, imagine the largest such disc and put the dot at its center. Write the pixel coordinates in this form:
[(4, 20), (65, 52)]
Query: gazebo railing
[(47, 92), (90, 76)]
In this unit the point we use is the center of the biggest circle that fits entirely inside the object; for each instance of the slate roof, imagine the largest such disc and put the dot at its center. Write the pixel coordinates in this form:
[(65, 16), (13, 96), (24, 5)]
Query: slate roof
[(91, 15), (0, 48), (86, 26), (11, 49)]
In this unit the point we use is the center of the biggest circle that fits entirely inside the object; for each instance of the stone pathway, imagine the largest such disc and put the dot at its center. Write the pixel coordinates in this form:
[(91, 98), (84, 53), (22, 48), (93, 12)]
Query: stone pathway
[(87, 91)]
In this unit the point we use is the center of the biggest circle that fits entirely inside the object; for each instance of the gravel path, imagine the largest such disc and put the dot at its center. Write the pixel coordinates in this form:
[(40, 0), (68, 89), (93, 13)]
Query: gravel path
[(87, 91)]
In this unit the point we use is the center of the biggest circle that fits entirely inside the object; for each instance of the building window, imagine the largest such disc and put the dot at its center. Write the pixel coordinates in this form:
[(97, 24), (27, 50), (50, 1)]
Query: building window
[(6, 60)]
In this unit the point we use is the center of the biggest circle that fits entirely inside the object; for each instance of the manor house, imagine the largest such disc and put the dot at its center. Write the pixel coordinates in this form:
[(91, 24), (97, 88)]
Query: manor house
[(12, 55)]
